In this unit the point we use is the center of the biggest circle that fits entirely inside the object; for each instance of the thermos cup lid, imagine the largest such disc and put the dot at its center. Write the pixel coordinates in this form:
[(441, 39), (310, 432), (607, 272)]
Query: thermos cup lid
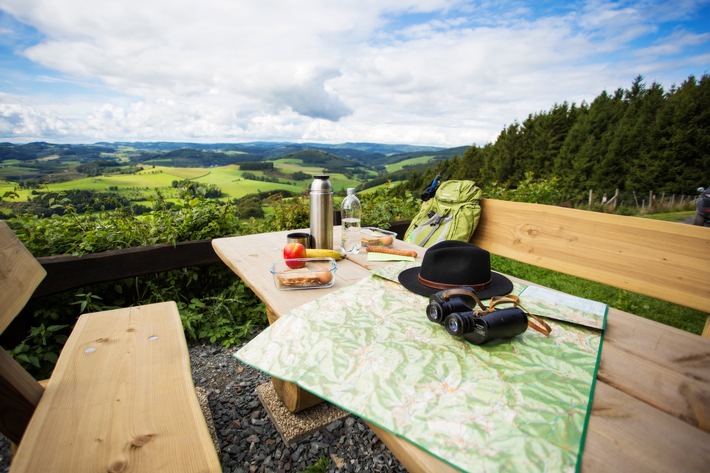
[(321, 183)]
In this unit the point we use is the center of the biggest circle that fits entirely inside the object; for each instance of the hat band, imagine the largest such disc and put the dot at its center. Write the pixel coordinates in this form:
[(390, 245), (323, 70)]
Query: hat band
[(438, 285)]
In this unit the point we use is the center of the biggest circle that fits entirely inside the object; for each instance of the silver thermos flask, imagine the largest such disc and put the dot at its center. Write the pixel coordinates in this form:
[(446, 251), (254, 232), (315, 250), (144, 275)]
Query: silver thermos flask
[(321, 213)]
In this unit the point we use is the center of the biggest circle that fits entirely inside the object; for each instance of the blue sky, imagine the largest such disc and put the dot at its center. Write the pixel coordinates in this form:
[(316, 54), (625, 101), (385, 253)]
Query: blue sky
[(434, 72)]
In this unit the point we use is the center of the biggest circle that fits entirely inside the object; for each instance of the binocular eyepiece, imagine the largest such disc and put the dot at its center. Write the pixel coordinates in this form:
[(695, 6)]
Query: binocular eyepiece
[(452, 309), (438, 309), (444, 303)]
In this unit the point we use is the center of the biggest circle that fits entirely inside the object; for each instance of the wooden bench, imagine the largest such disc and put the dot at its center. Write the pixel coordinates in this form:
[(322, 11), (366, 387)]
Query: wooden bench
[(664, 260), (121, 396)]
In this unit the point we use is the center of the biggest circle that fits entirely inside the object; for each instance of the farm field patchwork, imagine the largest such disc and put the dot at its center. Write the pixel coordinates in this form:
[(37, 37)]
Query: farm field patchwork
[(144, 183)]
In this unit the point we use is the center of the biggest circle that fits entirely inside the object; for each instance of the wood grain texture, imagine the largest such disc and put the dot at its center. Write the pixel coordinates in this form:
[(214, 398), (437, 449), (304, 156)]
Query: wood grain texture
[(19, 395), (66, 272), (121, 398), (251, 257), (20, 274), (663, 366), (413, 458), (664, 260), (651, 400), (631, 436), (651, 405), (294, 398)]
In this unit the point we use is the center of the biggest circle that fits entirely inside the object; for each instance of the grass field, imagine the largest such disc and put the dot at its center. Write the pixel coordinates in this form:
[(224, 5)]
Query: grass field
[(408, 162), (143, 184)]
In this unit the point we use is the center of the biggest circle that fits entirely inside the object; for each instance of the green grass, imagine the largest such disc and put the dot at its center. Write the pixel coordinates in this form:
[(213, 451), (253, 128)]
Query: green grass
[(654, 309), (142, 185), (371, 190), (12, 170), (408, 162), (672, 216)]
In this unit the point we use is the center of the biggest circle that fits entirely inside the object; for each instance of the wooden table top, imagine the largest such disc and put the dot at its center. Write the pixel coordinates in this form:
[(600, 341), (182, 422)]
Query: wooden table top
[(651, 407)]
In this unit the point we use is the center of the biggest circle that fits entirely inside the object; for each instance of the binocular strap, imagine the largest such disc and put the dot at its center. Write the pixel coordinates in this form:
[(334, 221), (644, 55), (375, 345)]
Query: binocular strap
[(535, 322)]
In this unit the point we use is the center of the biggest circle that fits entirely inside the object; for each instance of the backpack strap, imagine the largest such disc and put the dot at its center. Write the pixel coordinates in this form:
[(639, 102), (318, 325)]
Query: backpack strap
[(436, 224)]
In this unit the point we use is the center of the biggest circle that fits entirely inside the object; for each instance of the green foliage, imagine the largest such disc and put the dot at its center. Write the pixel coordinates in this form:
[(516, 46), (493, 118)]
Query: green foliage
[(320, 466), (226, 318), (38, 352), (300, 176), (542, 191), (637, 140), (387, 205), (257, 166), (288, 214), (90, 303), (193, 218), (215, 306), (249, 206), (9, 195)]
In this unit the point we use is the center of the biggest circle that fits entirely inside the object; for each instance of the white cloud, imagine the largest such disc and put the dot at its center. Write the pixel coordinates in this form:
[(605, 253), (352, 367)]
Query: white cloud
[(318, 70)]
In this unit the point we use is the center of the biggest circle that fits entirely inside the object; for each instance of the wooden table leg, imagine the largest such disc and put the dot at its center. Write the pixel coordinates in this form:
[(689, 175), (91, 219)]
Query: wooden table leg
[(295, 399)]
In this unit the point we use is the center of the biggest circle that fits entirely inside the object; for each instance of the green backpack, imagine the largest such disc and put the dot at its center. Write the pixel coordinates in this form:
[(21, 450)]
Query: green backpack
[(452, 214)]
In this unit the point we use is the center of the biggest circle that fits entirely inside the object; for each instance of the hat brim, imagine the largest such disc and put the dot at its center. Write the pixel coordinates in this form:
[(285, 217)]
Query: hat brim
[(500, 285)]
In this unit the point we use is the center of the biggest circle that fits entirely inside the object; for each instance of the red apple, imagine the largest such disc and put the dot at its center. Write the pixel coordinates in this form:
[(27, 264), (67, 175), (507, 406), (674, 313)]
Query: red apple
[(294, 250)]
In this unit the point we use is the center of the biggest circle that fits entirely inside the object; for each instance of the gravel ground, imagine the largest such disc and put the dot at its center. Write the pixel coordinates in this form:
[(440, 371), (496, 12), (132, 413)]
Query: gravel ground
[(249, 441)]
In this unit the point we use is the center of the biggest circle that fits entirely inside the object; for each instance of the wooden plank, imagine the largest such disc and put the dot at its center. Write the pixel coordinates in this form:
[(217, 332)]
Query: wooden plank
[(251, 257), (631, 436), (69, 272), (293, 397), (20, 274), (121, 398), (664, 260), (624, 434), (670, 391), (661, 382), (663, 366), (664, 346), (19, 395), (413, 458)]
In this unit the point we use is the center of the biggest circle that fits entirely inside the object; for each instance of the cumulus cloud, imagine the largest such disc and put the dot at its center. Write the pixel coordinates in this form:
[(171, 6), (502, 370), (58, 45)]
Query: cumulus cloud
[(445, 72), (19, 120)]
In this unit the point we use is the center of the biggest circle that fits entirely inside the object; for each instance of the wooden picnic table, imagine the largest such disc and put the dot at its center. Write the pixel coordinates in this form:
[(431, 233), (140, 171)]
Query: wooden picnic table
[(651, 405)]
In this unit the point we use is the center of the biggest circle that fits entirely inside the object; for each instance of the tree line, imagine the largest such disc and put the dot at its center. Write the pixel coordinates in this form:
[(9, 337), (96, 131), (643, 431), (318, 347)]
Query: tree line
[(640, 139)]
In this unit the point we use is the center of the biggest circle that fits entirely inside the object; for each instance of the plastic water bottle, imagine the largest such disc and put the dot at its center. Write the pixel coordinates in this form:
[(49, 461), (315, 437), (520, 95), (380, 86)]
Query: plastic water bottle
[(351, 213)]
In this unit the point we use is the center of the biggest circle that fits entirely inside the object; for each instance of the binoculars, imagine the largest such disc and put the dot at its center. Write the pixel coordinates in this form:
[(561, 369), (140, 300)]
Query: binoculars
[(462, 314)]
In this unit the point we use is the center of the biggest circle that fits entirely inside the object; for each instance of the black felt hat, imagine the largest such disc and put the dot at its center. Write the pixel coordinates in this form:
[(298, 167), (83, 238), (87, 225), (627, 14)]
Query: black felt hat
[(455, 263)]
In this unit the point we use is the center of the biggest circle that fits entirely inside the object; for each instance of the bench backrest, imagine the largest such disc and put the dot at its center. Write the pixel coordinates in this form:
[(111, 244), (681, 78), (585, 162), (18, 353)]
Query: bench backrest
[(20, 274), (664, 260)]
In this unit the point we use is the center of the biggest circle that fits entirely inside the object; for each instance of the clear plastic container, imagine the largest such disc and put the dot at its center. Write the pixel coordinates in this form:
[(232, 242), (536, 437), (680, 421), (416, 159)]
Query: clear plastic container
[(351, 213), (316, 273), (372, 236)]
